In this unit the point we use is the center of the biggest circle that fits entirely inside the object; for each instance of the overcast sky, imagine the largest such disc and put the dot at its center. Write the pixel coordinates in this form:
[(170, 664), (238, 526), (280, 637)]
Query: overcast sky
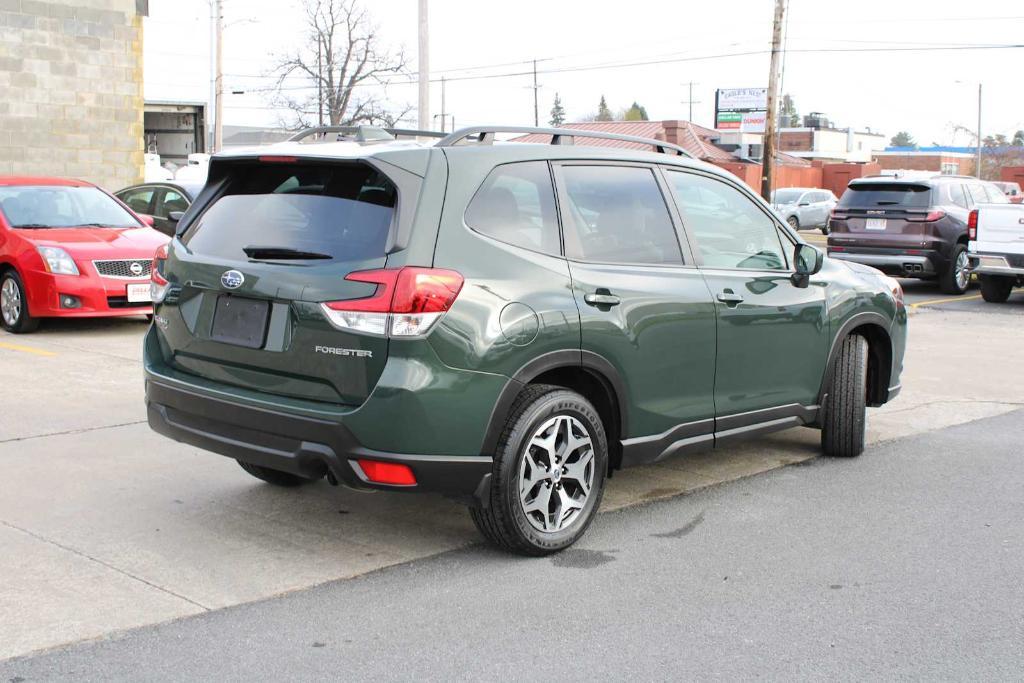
[(886, 91)]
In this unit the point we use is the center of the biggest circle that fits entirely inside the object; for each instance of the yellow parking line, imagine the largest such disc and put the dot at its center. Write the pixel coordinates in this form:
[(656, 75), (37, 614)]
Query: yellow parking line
[(946, 300), (26, 349)]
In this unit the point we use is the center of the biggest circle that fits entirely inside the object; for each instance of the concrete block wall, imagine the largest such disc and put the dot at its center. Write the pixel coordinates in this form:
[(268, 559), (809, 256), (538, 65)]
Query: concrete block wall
[(71, 90)]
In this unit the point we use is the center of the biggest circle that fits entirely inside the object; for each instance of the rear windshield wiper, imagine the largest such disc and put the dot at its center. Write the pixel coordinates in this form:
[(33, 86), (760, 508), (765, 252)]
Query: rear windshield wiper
[(278, 253)]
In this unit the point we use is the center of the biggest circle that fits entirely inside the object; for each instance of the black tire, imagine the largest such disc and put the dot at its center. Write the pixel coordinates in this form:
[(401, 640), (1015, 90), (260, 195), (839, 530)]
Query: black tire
[(504, 521), (794, 222), (949, 282), (844, 420), (22, 322), (996, 289), (275, 477), (824, 229)]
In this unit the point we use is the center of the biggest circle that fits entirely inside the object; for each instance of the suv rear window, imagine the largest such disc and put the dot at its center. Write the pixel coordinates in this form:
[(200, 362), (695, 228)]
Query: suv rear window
[(861, 195), (341, 210)]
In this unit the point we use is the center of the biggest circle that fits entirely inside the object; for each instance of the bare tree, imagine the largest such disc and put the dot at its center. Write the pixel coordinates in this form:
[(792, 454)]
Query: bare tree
[(339, 75)]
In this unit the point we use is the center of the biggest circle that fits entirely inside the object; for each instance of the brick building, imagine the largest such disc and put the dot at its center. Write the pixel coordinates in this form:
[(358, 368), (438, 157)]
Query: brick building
[(948, 160), (71, 74)]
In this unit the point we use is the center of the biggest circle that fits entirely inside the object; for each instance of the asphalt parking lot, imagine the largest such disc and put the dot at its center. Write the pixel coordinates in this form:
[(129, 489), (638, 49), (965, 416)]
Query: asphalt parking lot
[(110, 527)]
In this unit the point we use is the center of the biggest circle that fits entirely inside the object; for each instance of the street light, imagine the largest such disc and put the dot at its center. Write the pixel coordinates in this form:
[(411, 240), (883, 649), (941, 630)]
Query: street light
[(977, 163)]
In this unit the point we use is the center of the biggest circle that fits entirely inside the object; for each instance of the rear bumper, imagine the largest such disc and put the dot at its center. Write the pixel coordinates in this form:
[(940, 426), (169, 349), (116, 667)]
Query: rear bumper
[(297, 444), (904, 265), (1011, 265)]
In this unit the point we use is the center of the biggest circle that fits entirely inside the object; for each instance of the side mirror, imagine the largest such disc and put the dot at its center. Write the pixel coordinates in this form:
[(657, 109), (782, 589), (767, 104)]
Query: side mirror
[(147, 219), (808, 261)]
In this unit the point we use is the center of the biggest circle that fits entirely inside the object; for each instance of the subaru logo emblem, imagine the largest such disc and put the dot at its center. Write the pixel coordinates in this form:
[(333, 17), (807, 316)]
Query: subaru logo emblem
[(232, 279), (135, 268)]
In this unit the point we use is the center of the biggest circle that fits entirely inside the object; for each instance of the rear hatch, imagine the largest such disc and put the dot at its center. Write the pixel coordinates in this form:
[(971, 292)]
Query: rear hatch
[(890, 214), (250, 273)]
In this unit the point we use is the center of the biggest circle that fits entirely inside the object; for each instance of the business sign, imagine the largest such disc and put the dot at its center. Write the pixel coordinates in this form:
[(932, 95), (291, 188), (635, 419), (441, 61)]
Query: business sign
[(741, 109), (742, 121), (741, 99)]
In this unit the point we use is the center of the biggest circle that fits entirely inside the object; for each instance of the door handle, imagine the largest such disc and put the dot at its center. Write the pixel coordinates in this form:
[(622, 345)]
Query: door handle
[(602, 299), (729, 298)]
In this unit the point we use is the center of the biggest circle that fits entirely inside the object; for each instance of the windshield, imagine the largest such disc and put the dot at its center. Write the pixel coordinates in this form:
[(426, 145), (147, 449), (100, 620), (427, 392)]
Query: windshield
[(57, 206), (337, 211), (786, 196), (903, 195)]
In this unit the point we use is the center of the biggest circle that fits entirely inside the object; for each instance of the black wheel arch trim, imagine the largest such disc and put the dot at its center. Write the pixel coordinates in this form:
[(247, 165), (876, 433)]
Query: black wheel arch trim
[(881, 382), (596, 364)]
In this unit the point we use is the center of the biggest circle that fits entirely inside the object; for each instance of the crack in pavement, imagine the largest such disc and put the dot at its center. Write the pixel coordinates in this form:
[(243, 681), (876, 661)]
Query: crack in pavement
[(100, 562), (936, 402), (80, 430)]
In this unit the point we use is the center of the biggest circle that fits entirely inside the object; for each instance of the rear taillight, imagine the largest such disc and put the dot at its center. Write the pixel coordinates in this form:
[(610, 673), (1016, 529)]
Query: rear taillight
[(836, 213), (407, 302), (926, 217), (972, 225), (158, 284)]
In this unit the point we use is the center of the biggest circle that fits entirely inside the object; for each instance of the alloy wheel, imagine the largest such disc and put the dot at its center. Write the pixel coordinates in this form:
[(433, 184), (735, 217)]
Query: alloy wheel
[(557, 474), (10, 302), (960, 270)]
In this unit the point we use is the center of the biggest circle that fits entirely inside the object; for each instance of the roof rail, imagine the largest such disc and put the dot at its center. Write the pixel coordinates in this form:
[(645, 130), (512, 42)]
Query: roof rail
[(484, 135), (364, 134)]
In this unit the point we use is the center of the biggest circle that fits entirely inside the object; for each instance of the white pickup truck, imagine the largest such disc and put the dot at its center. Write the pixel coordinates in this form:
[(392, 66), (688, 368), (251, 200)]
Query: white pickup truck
[(996, 249)]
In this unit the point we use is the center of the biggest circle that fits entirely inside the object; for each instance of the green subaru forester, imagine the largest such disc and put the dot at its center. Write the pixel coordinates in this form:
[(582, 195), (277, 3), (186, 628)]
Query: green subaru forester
[(503, 323)]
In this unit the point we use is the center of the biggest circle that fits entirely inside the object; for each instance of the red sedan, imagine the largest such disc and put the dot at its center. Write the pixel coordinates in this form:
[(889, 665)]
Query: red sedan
[(69, 249)]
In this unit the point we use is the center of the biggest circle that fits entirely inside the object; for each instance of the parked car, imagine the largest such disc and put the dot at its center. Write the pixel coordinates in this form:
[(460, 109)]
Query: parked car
[(910, 226), (996, 249), (504, 324), (804, 207), (166, 202), (1011, 190), (68, 249)]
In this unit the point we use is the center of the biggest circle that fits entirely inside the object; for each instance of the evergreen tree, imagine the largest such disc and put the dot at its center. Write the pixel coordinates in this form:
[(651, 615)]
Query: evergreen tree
[(903, 139), (603, 112), (1018, 138), (557, 112)]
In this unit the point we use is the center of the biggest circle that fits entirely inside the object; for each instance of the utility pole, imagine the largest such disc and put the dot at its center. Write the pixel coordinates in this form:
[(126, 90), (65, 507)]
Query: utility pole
[(691, 101), (444, 112), (218, 122), (424, 64), (768, 156), (319, 80), (978, 162), (536, 118)]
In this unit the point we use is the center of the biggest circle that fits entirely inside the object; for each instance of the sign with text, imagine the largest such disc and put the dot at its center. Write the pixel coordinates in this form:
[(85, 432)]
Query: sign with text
[(741, 99)]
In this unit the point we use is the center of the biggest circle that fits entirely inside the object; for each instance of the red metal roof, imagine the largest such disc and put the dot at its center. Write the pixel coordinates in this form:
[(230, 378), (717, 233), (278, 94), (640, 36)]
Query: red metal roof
[(695, 139)]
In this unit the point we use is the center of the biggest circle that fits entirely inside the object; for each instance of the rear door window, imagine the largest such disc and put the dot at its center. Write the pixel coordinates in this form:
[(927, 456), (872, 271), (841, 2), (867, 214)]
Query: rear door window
[(977, 193), (953, 193), (516, 205), (617, 214), (995, 195), (343, 211), (873, 195), (139, 200)]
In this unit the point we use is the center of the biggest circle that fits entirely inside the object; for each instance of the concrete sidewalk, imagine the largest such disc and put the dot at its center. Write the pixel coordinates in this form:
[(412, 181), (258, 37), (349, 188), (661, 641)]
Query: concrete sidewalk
[(110, 526)]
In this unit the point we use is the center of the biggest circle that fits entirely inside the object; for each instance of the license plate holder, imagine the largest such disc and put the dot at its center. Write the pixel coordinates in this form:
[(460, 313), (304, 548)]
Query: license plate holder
[(874, 224), (138, 294), (240, 321)]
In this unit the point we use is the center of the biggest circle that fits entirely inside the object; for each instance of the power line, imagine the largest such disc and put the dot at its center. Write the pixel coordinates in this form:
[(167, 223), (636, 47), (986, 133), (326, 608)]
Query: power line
[(623, 65)]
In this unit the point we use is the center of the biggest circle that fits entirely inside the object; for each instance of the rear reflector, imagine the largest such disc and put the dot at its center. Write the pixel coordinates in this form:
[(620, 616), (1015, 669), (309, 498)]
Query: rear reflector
[(972, 225), (393, 473)]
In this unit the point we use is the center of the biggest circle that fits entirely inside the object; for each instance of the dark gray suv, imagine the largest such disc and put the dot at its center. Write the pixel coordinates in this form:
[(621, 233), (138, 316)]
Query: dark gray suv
[(910, 226)]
